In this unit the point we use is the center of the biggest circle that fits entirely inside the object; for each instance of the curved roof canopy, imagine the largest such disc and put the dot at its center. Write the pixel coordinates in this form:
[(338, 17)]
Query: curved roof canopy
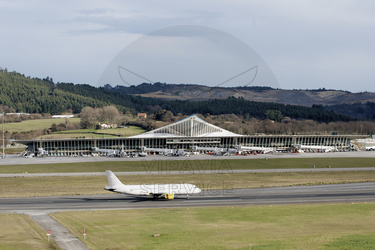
[(191, 126)]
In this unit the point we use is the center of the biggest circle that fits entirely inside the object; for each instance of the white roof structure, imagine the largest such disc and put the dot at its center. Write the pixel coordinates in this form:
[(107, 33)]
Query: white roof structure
[(63, 116), (191, 126)]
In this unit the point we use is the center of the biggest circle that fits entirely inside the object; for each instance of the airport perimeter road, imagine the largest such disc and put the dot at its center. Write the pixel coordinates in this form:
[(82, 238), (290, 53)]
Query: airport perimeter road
[(343, 193), (49, 160), (234, 171)]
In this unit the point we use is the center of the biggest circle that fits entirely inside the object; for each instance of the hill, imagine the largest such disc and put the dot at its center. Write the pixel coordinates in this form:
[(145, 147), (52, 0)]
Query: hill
[(256, 93), (34, 95), (358, 105)]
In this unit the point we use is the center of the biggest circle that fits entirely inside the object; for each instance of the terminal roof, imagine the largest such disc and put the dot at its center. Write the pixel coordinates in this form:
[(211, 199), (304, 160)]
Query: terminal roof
[(191, 126)]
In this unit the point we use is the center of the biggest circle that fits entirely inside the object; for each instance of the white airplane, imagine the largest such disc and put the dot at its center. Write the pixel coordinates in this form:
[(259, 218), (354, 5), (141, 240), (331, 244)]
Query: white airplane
[(324, 149), (166, 151), (166, 191), (263, 150), (215, 150)]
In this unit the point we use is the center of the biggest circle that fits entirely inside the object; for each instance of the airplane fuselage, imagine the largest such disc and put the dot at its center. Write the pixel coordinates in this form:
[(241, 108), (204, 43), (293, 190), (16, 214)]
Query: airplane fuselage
[(151, 189), (155, 190)]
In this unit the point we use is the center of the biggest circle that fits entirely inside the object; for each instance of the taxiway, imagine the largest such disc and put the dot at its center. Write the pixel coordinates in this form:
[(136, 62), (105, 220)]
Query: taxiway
[(338, 193)]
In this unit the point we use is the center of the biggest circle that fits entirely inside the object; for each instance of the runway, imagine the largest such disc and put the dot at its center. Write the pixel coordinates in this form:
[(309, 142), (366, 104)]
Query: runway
[(338, 193)]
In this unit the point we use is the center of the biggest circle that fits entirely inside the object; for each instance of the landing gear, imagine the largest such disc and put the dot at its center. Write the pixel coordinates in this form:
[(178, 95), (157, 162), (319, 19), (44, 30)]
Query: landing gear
[(187, 197)]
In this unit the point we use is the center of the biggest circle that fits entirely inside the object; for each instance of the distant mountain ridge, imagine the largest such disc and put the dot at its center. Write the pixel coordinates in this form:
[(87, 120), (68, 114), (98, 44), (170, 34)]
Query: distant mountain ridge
[(360, 105), (262, 94)]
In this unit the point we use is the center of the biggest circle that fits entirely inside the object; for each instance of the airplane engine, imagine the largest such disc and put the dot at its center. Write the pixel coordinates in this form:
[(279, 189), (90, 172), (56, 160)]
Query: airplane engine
[(169, 196)]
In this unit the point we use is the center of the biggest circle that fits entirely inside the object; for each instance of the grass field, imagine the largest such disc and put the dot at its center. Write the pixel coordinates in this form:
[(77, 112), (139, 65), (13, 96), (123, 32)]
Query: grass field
[(342, 226), (20, 232), (86, 185), (189, 165), (13, 150), (96, 133), (38, 124)]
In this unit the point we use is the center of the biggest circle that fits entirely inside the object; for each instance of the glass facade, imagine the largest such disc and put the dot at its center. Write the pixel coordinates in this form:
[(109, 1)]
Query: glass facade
[(69, 147)]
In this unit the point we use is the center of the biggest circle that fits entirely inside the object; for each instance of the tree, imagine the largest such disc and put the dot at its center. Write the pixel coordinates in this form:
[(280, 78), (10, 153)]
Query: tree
[(54, 127), (109, 114), (274, 115), (89, 117), (164, 115)]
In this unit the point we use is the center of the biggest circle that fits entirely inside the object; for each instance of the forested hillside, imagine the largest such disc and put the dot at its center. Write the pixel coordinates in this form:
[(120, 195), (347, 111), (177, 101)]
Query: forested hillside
[(122, 101), (231, 105), (363, 111), (34, 95), (358, 105)]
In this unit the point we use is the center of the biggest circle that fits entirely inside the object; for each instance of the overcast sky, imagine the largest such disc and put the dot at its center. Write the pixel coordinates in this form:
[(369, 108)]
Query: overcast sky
[(306, 44)]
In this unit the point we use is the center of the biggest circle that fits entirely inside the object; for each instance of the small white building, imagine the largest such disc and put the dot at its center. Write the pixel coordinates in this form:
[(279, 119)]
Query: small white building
[(106, 126), (17, 114), (63, 116), (142, 115)]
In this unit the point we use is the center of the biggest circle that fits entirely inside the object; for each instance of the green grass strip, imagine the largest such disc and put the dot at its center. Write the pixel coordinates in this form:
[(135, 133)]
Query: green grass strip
[(20, 232), (189, 165), (338, 226)]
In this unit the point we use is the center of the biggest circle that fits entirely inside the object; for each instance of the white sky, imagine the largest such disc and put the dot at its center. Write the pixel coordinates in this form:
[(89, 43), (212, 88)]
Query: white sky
[(307, 44)]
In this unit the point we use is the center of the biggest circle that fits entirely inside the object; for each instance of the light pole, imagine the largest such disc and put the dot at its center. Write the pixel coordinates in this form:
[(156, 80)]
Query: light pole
[(3, 135)]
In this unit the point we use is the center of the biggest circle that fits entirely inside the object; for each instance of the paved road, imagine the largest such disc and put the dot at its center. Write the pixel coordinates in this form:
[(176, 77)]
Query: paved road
[(59, 233), (355, 192), (227, 171), (49, 160)]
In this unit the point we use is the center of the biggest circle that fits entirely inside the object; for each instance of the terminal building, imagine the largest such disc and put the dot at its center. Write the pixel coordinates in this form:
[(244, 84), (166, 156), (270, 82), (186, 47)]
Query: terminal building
[(186, 134)]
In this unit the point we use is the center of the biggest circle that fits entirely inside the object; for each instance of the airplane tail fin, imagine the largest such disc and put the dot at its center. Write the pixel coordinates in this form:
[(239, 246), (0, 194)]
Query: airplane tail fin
[(112, 179)]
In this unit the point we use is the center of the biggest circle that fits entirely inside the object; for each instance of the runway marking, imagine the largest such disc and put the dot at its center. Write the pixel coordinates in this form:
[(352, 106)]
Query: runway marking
[(196, 201)]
